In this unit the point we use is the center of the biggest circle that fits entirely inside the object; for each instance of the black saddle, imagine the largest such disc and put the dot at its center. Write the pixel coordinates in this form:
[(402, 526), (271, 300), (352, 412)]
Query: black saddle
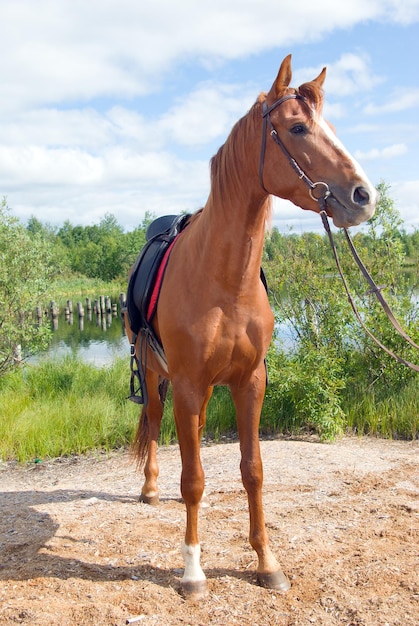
[(159, 236)]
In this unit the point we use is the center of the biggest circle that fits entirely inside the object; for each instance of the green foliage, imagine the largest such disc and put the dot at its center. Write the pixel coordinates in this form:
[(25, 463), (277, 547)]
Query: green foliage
[(26, 270), (384, 256), (331, 356), (304, 392), (102, 251), (65, 407)]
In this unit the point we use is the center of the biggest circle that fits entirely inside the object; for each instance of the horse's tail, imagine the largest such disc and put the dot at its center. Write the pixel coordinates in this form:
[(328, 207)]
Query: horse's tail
[(141, 440)]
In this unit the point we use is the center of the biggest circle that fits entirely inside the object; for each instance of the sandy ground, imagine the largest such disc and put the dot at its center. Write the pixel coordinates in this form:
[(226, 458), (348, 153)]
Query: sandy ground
[(76, 546)]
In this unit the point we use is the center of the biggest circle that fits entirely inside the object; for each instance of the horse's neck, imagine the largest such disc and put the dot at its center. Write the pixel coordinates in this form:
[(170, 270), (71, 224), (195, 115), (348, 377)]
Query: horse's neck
[(231, 229), (234, 234)]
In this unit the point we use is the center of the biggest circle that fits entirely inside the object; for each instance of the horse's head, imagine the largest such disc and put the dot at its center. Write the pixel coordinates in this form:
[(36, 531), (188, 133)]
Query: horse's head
[(323, 168)]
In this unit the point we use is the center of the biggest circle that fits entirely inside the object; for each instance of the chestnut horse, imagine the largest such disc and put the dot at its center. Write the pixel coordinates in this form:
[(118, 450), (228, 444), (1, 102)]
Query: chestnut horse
[(213, 316)]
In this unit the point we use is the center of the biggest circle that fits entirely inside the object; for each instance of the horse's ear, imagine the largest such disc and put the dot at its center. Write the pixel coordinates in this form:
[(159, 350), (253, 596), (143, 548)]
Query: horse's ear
[(283, 79), (320, 78)]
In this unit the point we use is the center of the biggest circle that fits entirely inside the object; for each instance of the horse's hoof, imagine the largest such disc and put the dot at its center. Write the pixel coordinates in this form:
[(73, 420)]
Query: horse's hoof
[(195, 590), (152, 500), (275, 580)]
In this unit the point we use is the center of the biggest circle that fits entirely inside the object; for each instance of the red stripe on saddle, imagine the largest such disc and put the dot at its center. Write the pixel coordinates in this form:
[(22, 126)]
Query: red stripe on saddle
[(159, 280)]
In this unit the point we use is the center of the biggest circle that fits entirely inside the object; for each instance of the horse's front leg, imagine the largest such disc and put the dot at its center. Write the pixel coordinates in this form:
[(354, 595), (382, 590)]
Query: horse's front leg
[(248, 402), (188, 415)]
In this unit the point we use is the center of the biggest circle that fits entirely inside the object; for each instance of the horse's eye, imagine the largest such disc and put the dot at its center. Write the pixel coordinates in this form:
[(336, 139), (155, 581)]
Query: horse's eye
[(299, 129)]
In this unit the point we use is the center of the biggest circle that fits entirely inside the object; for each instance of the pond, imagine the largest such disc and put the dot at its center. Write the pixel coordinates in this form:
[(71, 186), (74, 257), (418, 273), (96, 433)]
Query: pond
[(94, 337), (97, 338)]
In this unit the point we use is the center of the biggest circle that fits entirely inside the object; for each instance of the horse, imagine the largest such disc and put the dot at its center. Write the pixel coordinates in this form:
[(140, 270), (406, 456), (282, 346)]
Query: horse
[(213, 319)]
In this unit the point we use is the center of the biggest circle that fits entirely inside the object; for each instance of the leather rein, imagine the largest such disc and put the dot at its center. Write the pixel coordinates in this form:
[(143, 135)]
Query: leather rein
[(321, 200)]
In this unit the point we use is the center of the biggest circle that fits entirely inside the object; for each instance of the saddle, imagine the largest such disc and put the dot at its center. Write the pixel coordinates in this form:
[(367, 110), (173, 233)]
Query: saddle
[(142, 295)]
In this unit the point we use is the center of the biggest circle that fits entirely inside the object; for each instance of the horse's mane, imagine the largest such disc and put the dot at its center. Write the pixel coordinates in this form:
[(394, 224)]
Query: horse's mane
[(226, 165)]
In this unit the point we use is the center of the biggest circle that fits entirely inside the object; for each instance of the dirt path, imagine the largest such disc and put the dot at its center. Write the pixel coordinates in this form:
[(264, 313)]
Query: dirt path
[(76, 547)]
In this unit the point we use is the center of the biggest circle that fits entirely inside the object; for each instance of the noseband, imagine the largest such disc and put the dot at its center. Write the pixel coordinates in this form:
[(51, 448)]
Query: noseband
[(266, 111)]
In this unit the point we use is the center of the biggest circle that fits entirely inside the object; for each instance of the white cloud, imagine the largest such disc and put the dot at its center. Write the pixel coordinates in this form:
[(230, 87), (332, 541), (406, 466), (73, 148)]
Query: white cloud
[(52, 127), (349, 75), (206, 114), (389, 152), (66, 167), (406, 197), (57, 51), (400, 100), (403, 11), (34, 165)]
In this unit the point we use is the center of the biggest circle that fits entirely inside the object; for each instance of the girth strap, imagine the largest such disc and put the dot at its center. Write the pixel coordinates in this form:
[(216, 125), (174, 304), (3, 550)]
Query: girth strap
[(138, 368)]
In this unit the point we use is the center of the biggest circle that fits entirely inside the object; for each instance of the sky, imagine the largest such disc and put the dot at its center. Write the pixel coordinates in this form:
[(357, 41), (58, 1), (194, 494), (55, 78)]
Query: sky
[(117, 106)]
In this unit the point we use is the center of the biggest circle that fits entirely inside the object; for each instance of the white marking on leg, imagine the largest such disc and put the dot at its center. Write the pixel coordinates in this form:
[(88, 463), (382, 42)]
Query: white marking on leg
[(193, 571), (151, 493)]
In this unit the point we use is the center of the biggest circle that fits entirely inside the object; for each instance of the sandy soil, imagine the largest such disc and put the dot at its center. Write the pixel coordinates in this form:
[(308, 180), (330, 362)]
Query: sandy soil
[(76, 546)]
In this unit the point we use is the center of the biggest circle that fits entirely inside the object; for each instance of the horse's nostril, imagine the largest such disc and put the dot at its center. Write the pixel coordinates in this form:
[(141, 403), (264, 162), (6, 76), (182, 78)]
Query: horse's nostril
[(361, 196)]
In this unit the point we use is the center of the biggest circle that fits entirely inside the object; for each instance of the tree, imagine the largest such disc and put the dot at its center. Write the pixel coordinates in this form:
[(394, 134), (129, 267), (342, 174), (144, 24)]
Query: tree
[(25, 273)]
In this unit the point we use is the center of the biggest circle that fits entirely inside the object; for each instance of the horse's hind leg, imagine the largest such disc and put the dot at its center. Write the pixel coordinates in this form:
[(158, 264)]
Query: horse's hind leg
[(145, 443), (248, 402)]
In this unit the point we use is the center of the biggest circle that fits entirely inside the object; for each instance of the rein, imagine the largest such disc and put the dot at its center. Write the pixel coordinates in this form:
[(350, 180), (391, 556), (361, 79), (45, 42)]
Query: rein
[(321, 200), (374, 289)]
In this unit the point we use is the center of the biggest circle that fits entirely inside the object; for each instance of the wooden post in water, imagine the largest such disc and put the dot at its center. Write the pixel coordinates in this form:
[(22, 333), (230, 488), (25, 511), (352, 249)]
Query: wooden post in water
[(69, 311), (80, 312), (54, 315), (108, 305), (98, 312), (89, 309)]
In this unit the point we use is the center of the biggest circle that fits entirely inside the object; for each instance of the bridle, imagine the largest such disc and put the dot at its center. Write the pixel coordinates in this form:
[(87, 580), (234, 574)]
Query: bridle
[(266, 111), (321, 200)]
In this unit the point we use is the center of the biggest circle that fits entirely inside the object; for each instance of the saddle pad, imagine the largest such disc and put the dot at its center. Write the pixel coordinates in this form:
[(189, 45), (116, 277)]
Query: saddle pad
[(158, 282)]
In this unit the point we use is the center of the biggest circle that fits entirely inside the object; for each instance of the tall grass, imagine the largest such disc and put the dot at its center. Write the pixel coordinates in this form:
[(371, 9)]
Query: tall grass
[(393, 416), (74, 286), (64, 407)]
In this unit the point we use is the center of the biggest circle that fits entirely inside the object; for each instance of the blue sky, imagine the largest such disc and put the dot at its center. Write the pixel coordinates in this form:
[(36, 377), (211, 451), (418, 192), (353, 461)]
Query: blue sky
[(116, 106)]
